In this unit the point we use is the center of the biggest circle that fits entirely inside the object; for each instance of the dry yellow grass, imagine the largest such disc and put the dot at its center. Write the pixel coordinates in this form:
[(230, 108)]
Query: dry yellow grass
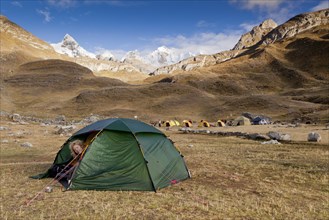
[(232, 178), (127, 77)]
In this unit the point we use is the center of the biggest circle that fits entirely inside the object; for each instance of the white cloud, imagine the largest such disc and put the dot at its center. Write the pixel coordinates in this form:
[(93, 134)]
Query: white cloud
[(118, 54), (63, 3), (321, 5), (205, 24), (18, 4), (278, 10), (281, 15), (247, 26), (261, 4), (205, 43), (46, 14)]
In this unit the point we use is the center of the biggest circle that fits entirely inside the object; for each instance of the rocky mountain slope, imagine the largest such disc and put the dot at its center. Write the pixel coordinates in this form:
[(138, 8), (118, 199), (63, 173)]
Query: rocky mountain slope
[(297, 25), (255, 35), (266, 33), (19, 46)]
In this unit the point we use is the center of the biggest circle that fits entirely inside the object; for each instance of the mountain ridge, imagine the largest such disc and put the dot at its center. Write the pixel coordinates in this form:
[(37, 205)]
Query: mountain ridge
[(264, 34), (145, 63)]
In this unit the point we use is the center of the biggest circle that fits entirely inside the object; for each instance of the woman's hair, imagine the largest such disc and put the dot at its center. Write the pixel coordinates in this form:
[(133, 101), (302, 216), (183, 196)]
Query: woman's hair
[(79, 142)]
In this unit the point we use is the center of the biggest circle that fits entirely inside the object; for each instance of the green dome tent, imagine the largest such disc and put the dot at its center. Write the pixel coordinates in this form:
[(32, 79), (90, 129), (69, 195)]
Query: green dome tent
[(124, 154)]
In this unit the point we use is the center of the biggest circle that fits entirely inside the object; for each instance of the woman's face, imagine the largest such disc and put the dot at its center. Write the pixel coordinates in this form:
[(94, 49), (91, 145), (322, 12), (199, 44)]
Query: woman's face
[(77, 148)]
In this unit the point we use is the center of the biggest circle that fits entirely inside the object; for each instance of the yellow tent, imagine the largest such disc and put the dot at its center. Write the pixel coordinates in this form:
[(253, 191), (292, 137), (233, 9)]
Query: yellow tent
[(167, 124), (186, 123), (241, 120), (171, 123), (204, 123), (220, 123)]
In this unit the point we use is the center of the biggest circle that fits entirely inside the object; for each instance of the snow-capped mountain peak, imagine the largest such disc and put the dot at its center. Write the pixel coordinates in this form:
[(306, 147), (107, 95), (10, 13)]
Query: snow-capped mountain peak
[(134, 54), (162, 56), (105, 55), (70, 47), (69, 38), (164, 49), (165, 56)]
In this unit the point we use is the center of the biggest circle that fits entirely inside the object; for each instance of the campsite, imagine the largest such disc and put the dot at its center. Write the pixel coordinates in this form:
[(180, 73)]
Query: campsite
[(231, 177), (164, 110)]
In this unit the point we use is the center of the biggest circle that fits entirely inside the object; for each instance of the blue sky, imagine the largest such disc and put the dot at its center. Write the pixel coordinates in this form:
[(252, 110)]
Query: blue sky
[(120, 26)]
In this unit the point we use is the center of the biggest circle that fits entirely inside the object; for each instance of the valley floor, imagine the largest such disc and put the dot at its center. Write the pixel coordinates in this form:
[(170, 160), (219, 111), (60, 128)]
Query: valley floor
[(232, 178)]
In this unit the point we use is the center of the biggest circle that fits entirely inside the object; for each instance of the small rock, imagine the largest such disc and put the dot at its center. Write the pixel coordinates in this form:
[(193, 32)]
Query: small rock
[(190, 145), (3, 128), (60, 118), (65, 129), (271, 142), (19, 134), (4, 141), (92, 119), (48, 189), (26, 144), (185, 129)]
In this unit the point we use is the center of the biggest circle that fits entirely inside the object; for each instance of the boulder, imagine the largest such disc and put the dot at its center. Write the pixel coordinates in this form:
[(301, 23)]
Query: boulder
[(63, 130), (256, 136), (278, 136), (314, 137)]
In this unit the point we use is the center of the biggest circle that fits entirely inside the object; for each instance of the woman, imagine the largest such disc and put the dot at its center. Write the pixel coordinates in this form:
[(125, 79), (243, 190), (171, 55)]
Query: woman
[(65, 170), (76, 147)]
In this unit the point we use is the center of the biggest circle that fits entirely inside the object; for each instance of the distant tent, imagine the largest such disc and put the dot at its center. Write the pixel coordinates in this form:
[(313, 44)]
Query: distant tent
[(168, 124), (186, 123), (204, 124), (260, 120), (241, 120), (220, 123), (176, 123), (125, 154), (171, 123)]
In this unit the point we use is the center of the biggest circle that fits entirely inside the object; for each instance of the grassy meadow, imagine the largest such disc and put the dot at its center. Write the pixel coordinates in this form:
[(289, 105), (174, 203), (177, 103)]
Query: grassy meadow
[(232, 178)]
